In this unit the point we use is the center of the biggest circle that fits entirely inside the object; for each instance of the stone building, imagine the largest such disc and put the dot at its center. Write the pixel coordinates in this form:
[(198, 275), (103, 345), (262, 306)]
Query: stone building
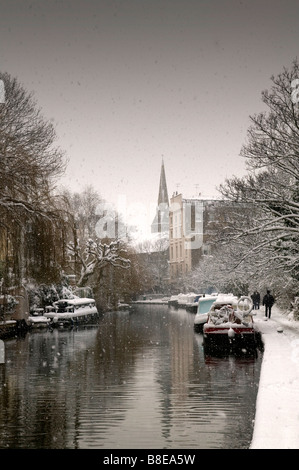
[(193, 227), (191, 224)]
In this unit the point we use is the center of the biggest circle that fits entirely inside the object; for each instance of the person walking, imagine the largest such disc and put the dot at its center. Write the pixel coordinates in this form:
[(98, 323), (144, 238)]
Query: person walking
[(268, 302), (256, 299)]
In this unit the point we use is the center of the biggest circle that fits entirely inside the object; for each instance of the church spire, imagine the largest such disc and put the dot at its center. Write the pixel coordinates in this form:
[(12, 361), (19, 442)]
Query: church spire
[(163, 193), (160, 222)]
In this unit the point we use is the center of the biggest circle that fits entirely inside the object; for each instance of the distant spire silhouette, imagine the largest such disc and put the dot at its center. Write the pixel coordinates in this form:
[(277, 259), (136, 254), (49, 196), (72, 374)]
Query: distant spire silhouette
[(163, 193), (160, 222)]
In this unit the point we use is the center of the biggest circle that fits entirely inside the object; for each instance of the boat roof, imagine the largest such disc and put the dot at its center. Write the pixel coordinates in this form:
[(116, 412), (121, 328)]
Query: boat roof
[(226, 299)]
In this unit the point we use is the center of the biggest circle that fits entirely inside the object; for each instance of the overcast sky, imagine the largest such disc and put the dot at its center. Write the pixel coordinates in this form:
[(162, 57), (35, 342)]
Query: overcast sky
[(130, 82)]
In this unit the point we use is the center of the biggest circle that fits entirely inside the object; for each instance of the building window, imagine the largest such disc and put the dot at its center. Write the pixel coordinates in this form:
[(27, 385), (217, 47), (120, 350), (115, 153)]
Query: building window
[(192, 217)]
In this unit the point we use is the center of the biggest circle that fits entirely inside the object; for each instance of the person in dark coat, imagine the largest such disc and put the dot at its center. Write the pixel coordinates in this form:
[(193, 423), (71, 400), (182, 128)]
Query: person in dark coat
[(256, 299), (268, 302)]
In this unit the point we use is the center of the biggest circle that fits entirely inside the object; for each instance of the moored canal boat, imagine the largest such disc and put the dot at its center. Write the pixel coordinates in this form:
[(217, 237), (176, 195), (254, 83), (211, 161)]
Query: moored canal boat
[(38, 320), (182, 300), (203, 308), (192, 302), (123, 307), (8, 328), (72, 311), (230, 325), (173, 301)]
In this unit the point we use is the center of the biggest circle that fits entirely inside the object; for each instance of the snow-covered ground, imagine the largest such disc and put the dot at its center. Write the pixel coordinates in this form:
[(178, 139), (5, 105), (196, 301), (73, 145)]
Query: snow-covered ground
[(276, 423)]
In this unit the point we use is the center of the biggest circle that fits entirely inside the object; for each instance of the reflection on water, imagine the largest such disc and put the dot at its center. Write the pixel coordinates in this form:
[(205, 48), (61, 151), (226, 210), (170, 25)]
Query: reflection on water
[(136, 380)]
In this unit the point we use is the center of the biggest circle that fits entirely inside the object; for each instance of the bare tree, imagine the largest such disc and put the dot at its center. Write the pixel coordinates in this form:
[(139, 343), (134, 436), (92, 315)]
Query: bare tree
[(84, 207), (97, 255), (30, 164), (271, 186)]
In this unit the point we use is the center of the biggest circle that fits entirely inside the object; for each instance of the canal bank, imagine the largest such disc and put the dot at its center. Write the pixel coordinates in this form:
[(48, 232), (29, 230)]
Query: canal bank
[(276, 424)]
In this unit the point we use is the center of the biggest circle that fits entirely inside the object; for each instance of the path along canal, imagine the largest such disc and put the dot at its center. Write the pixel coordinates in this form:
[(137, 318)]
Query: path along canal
[(137, 380)]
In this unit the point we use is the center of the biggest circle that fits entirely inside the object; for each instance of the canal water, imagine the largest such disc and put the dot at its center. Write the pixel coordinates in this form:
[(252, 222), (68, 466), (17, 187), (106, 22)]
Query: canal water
[(137, 380)]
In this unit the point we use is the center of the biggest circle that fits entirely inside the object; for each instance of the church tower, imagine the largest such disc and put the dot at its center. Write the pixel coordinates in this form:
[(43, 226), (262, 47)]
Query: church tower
[(161, 221)]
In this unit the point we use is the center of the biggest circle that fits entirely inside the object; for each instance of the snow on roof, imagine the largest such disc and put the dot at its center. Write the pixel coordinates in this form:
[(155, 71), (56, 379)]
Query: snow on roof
[(226, 298)]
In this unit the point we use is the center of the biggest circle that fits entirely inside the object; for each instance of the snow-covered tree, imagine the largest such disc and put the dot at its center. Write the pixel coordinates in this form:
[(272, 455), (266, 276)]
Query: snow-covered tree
[(271, 186), (30, 163), (98, 254)]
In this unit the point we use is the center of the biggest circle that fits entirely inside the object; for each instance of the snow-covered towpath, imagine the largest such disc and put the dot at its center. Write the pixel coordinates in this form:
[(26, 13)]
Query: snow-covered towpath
[(277, 410)]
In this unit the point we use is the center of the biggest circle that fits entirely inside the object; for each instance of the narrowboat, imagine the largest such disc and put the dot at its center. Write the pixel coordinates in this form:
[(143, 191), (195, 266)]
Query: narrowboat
[(230, 324), (173, 301), (38, 320), (72, 311), (203, 308), (192, 302)]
